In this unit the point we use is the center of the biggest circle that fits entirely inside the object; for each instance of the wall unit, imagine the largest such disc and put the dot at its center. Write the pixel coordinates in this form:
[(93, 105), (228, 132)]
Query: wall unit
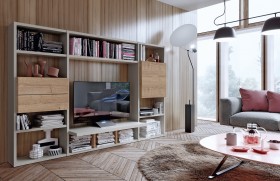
[(43, 95)]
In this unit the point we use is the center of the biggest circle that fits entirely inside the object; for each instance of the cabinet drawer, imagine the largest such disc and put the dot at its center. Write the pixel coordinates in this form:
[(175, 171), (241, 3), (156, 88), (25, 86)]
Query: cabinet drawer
[(153, 79), (42, 94)]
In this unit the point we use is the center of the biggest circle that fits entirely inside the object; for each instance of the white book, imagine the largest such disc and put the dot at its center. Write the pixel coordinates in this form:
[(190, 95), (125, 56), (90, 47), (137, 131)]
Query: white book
[(22, 123), (18, 122), (26, 121)]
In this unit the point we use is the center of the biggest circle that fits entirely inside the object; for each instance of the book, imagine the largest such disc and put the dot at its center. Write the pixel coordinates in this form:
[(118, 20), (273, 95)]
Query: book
[(18, 122)]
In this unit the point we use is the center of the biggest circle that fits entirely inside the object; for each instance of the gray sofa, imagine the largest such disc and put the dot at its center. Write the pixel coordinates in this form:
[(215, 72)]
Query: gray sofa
[(230, 114)]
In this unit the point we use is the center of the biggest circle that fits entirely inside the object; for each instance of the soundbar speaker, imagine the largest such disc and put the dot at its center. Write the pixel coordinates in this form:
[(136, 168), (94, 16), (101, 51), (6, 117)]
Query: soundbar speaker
[(189, 118)]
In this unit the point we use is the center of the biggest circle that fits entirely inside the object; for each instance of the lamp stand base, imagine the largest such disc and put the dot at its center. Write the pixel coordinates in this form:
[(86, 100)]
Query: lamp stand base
[(189, 118)]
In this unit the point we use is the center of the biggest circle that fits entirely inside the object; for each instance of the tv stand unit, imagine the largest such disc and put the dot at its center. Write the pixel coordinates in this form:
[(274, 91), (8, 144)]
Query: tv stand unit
[(35, 95)]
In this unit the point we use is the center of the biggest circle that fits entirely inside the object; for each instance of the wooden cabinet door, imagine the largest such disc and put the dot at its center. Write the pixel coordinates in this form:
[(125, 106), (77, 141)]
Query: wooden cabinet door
[(153, 79), (42, 94)]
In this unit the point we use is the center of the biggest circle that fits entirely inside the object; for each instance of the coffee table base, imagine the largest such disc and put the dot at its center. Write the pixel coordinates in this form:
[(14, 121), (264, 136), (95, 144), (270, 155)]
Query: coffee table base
[(217, 171)]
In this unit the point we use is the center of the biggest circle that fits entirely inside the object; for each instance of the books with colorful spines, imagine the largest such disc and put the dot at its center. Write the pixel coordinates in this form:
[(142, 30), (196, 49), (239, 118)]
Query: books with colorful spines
[(75, 46)]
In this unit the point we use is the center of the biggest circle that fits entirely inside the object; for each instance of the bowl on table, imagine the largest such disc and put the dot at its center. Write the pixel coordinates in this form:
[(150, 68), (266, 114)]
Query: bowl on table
[(274, 144)]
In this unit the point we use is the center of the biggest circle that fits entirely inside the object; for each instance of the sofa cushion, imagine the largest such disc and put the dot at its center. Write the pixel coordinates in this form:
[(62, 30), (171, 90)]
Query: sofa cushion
[(269, 121), (253, 100), (273, 101)]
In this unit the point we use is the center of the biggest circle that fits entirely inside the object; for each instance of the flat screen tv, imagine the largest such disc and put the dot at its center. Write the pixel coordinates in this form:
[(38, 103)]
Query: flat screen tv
[(100, 101)]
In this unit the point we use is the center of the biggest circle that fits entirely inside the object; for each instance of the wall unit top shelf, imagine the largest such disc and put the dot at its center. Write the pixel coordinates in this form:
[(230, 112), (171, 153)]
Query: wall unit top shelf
[(96, 130), (42, 29)]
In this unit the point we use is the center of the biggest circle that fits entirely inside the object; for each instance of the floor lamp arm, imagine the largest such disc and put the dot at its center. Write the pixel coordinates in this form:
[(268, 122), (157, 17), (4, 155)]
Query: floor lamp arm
[(188, 52)]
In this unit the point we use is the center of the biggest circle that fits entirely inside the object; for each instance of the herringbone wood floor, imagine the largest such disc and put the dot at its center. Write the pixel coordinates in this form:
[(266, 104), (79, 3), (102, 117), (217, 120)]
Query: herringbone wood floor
[(117, 163)]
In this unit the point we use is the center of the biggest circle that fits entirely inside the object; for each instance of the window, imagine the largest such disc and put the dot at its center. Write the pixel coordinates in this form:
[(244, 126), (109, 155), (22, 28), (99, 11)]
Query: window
[(241, 63), (206, 78), (261, 7), (273, 63), (206, 16)]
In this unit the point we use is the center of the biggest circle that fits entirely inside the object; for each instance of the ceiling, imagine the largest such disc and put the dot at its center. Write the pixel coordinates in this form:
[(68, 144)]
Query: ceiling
[(190, 5)]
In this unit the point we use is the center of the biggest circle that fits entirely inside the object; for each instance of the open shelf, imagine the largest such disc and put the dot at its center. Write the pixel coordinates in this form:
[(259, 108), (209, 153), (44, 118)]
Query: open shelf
[(40, 129), (103, 147), (152, 116), (44, 54), (100, 59), (95, 130), (27, 160)]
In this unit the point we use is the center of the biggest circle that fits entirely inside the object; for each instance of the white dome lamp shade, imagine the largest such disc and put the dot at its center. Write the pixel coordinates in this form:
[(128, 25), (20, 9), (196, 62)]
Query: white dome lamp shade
[(183, 35), (271, 26), (225, 34)]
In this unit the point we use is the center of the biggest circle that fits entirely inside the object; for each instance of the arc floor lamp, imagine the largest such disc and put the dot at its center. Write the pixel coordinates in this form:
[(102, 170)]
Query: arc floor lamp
[(183, 37)]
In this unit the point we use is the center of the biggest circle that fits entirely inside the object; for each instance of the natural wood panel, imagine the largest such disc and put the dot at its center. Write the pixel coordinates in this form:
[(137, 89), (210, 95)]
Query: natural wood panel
[(39, 86), (147, 21), (39, 103), (153, 79)]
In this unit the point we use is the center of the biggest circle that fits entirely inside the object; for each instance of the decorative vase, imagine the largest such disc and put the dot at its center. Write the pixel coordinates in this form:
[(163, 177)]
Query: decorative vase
[(29, 70), (36, 71), (42, 64)]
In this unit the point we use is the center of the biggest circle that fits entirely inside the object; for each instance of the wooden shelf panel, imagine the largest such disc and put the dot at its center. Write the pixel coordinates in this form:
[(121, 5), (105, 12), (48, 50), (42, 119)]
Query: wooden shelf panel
[(25, 160), (95, 130), (102, 60), (40, 129), (152, 116), (43, 54), (43, 29)]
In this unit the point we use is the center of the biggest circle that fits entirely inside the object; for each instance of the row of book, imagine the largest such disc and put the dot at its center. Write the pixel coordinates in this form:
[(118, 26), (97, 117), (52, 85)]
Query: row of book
[(103, 49), (23, 122), (34, 41), (79, 143)]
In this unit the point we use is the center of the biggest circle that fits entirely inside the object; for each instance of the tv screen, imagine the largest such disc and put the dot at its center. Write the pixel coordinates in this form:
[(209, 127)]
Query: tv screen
[(99, 101)]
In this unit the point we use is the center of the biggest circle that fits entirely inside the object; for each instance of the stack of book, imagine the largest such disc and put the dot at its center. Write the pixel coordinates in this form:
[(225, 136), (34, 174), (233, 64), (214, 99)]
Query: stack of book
[(105, 139), (126, 136), (128, 51), (152, 129), (79, 143), (52, 46), (23, 122), (50, 120)]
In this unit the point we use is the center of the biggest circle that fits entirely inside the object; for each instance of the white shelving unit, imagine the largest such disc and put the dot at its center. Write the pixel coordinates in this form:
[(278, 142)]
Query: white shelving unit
[(19, 145)]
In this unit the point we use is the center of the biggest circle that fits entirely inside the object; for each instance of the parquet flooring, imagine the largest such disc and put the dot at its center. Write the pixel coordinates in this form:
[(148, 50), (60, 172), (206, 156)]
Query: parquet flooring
[(116, 163)]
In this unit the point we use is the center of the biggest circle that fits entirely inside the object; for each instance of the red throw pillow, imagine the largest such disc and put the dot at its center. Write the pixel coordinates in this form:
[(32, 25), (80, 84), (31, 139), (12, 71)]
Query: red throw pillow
[(273, 101), (253, 100)]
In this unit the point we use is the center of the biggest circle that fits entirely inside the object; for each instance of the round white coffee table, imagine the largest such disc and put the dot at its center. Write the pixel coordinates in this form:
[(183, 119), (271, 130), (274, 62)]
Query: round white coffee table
[(217, 143)]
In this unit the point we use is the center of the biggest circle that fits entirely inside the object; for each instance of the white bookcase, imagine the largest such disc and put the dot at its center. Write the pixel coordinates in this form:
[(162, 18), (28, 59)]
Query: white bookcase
[(39, 100)]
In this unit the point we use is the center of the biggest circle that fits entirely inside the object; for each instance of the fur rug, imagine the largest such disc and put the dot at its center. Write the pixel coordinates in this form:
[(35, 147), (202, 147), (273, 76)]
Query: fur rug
[(193, 162)]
